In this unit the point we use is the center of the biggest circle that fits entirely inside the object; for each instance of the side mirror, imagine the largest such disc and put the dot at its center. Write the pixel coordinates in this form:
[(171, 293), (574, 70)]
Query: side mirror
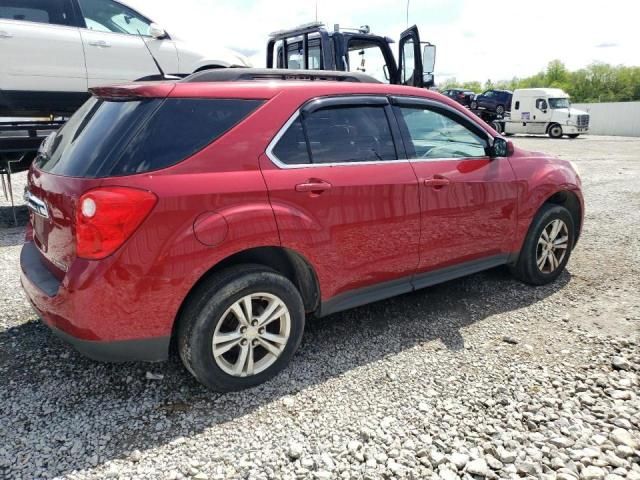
[(157, 32), (501, 148), (428, 58)]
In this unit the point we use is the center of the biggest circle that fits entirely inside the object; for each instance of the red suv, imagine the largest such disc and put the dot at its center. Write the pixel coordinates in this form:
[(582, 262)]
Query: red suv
[(221, 214)]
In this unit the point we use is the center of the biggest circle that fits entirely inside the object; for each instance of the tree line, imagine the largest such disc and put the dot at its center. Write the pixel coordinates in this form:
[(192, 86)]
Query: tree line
[(598, 82)]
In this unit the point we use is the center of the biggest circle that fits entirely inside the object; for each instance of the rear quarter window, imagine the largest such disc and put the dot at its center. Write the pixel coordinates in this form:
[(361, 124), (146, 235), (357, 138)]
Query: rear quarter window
[(105, 138)]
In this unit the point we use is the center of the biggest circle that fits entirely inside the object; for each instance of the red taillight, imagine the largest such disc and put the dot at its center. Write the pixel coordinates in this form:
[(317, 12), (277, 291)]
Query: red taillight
[(106, 217)]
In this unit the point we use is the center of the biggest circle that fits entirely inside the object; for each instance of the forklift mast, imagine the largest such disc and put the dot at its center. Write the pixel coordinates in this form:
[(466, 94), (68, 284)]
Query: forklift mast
[(313, 47)]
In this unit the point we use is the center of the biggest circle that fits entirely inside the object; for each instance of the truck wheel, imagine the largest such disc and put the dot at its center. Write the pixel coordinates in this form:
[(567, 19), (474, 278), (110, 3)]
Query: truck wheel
[(555, 131), (240, 327), (547, 248), (497, 126), (500, 110), (573, 135)]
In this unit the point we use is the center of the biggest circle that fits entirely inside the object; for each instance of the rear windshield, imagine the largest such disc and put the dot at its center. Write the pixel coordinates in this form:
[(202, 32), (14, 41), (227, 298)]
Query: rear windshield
[(106, 138)]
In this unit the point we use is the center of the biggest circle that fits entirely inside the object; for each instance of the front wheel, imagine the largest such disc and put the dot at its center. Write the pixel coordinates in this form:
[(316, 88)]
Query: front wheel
[(241, 328), (548, 246), (500, 110), (555, 131)]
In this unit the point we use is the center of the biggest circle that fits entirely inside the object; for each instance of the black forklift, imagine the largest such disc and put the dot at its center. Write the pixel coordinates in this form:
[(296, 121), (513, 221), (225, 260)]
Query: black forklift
[(313, 47)]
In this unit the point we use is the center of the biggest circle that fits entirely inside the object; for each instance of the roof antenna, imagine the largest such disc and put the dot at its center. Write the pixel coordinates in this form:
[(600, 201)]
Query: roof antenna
[(408, 13), (162, 74)]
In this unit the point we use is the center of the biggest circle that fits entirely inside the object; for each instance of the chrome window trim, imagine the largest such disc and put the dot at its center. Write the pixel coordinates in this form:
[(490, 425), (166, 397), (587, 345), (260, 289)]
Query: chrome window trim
[(285, 166)]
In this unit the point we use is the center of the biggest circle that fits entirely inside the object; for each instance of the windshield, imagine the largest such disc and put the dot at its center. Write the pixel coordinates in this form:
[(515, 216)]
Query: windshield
[(559, 102)]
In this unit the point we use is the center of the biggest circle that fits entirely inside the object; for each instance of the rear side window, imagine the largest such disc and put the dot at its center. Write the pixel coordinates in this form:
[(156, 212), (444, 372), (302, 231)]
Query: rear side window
[(106, 138), (338, 135), (40, 11)]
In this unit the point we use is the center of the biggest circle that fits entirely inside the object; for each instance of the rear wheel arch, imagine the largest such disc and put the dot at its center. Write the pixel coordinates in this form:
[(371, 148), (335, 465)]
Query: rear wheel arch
[(284, 261)]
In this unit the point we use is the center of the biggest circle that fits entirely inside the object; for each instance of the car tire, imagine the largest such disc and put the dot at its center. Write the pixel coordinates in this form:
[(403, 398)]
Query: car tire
[(573, 135), (555, 131), (474, 105), (226, 349), (535, 265), (500, 110)]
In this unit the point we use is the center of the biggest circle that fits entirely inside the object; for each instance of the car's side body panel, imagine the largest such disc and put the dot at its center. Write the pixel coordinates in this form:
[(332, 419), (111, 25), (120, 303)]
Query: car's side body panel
[(362, 240)]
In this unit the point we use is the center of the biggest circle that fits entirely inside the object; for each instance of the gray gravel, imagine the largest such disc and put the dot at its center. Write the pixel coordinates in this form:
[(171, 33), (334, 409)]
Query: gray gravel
[(478, 378)]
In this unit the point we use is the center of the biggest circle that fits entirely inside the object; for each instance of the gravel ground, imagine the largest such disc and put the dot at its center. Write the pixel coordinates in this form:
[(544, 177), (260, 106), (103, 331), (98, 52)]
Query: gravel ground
[(478, 378)]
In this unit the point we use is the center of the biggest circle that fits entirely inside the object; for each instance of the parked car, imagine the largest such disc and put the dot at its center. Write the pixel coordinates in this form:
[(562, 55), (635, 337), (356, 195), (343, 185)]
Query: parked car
[(463, 97), (51, 51), (498, 101), (221, 214), (545, 111)]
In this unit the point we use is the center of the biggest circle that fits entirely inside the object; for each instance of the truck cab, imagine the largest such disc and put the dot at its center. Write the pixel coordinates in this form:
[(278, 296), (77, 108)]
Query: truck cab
[(545, 111), (313, 47)]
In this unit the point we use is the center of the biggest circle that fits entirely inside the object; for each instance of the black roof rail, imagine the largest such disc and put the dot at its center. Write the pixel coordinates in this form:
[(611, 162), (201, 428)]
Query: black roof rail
[(247, 74)]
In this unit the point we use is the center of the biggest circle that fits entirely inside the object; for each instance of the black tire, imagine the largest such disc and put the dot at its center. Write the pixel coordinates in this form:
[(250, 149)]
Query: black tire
[(555, 131), (573, 135), (526, 268), (500, 109), (206, 308)]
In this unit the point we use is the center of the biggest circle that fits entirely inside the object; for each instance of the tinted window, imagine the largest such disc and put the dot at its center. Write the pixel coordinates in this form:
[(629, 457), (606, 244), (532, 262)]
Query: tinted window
[(433, 134), (40, 11), (108, 138), (292, 146), (108, 16), (350, 134)]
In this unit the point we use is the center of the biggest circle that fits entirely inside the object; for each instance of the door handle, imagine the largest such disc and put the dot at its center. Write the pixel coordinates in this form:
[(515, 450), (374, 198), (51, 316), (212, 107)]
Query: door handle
[(437, 182), (100, 43), (313, 186), (4, 34)]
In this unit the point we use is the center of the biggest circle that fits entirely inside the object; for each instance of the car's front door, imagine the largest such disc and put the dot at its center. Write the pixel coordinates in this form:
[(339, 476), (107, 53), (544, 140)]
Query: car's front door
[(40, 47), (468, 199), (114, 42), (487, 100), (344, 197)]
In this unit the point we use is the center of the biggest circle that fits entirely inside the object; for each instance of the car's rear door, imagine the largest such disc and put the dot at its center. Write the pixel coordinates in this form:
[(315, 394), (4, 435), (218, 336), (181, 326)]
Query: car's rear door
[(114, 42), (40, 48), (344, 197), (468, 199)]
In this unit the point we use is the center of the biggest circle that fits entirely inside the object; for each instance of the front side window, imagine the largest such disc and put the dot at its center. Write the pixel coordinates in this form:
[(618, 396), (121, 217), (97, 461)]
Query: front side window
[(366, 57), (338, 135), (541, 104), (409, 62), (109, 16), (559, 103), (489, 94), (433, 134), (57, 12)]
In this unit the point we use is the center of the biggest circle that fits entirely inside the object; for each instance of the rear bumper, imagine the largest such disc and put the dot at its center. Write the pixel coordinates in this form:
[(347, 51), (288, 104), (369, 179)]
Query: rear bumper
[(143, 350), (68, 314)]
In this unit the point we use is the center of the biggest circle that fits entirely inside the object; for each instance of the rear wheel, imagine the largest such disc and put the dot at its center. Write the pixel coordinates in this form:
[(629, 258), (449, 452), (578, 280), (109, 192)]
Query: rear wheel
[(555, 131), (241, 328), (500, 110), (548, 246)]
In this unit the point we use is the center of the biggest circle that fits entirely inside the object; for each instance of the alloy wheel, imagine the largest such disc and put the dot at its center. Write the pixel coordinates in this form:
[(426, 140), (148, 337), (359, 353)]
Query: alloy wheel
[(251, 335), (552, 246)]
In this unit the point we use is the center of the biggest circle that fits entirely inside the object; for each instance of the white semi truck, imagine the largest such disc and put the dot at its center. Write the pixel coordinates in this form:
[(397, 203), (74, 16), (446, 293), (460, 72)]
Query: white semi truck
[(544, 111)]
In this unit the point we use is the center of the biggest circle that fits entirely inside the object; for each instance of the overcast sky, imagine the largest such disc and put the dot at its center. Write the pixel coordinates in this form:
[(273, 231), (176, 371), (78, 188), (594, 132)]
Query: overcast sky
[(476, 40)]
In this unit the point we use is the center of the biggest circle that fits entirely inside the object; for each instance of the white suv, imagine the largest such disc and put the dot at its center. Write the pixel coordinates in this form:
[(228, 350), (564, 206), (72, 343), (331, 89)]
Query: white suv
[(51, 51)]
